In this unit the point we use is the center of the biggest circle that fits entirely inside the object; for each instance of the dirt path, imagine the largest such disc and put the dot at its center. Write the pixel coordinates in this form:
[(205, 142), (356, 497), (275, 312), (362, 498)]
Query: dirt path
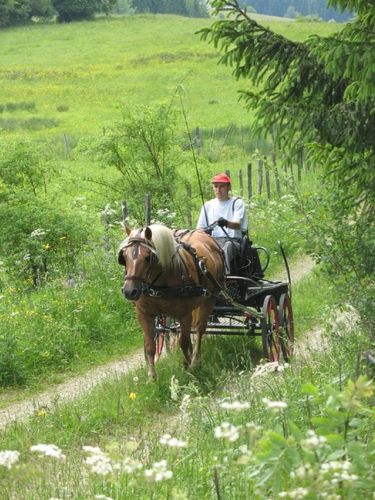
[(77, 386)]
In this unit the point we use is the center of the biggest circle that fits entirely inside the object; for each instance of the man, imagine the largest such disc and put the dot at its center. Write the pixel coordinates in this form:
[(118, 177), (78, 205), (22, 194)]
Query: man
[(230, 213)]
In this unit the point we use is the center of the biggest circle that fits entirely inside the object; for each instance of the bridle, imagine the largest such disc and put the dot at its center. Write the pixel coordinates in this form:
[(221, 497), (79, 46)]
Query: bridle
[(137, 242)]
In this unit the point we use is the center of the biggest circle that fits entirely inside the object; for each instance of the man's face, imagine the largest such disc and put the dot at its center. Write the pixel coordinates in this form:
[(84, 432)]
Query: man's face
[(221, 190)]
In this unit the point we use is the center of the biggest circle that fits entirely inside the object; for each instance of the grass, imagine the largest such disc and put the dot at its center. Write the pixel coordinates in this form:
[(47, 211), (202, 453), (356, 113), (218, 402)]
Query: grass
[(92, 67), (251, 456)]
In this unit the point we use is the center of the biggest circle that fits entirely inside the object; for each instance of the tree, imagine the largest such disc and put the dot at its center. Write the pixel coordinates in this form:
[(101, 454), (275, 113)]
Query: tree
[(75, 10), (320, 93)]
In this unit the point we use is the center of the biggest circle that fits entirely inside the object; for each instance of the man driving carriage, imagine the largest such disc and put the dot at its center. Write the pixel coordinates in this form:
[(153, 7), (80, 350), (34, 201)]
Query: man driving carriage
[(230, 214)]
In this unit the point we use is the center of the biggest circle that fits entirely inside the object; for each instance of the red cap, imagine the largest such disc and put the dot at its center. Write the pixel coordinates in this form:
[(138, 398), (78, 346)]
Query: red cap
[(223, 178)]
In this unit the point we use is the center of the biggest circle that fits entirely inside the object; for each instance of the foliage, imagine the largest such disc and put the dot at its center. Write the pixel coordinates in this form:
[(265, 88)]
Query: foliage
[(75, 10), (15, 12), (314, 8), (320, 93), (37, 237), (191, 8), (144, 147)]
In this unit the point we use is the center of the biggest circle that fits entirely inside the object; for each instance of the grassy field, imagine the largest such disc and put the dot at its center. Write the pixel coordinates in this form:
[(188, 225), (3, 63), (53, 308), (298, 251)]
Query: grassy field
[(78, 74)]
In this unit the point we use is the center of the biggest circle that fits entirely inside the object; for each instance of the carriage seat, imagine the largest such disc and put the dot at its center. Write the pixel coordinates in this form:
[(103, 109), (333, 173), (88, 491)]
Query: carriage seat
[(248, 263)]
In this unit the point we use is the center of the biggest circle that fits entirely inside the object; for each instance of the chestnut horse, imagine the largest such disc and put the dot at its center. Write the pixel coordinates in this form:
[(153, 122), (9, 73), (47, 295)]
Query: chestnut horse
[(173, 277)]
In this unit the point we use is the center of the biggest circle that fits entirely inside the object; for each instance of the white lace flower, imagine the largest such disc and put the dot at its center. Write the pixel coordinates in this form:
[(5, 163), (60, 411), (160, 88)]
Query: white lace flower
[(227, 431), (158, 472), (312, 441), (49, 450), (168, 440), (8, 458), (235, 405), (275, 406)]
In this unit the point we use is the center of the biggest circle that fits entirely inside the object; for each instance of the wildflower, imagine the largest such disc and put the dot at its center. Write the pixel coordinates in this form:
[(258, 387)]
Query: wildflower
[(275, 406), (38, 233), (47, 246), (313, 441), (158, 472), (102, 497), (174, 387), (235, 405), (49, 450), (267, 368), (8, 458), (294, 494), (135, 380), (100, 464), (133, 396), (302, 472), (185, 403), (129, 465), (245, 455), (168, 440), (227, 431)]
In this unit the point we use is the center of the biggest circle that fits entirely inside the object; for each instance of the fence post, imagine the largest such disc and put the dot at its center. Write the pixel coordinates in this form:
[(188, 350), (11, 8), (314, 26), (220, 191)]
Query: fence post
[(276, 173), (268, 183), (241, 182), (260, 176), (249, 182), (148, 209), (124, 210), (299, 163), (228, 173), (189, 197), (197, 139)]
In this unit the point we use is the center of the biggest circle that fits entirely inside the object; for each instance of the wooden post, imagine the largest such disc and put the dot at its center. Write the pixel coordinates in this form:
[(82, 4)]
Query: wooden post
[(276, 173), (148, 209), (249, 182), (189, 197), (197, 139), (260, 176), (124, 210), (299, 164), (228, 173), (268, 183), (241, 182)]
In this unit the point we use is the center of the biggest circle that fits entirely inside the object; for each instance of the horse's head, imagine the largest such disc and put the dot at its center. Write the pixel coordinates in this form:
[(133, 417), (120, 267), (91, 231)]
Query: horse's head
[(138, 255)]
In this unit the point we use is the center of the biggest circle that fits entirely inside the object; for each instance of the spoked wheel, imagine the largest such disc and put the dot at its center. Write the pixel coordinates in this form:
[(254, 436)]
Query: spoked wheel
[(286, 326), (270, 329)]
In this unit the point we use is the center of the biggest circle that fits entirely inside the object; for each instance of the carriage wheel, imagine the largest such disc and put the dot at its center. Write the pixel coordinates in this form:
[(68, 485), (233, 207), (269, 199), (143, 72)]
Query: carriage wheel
[(270, 329), (286, 326)]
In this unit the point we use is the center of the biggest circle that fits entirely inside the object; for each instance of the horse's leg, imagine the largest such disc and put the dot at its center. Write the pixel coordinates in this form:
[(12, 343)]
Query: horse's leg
[(200, 318), (148, 326), (185, 339)]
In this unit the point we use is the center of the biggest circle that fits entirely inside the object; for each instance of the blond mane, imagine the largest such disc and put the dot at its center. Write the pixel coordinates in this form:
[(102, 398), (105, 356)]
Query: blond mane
[(165, 245)]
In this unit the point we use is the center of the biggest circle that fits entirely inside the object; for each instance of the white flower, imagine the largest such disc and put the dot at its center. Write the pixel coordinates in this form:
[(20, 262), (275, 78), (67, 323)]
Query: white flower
[(267, 368), (49, 450), (8, 458), (102, 497), (158, 472), (227, 431), (235, 405), (37, 233), (275, 406), (174, 388), (168, 440), (92, 449), (185, 403), (313, 441), (135, 380), (129, 465), (294, 494), (98, 460)]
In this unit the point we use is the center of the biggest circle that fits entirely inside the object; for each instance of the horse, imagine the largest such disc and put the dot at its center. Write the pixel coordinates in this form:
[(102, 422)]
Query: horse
[(171, 275)]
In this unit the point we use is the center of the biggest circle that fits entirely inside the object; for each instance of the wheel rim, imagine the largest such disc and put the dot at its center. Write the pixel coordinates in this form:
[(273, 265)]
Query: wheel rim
[(286, 326), (271, 330)]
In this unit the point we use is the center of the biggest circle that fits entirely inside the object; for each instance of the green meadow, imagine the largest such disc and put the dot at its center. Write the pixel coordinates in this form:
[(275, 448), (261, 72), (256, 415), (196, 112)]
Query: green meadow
[(78, 75)]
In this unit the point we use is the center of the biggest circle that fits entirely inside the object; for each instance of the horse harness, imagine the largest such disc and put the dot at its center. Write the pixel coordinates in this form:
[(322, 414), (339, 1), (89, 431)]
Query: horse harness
[(188, 288)]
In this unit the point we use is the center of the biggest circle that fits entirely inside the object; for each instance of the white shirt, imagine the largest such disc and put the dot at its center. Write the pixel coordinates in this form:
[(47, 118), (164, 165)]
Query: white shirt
[(232, 209)]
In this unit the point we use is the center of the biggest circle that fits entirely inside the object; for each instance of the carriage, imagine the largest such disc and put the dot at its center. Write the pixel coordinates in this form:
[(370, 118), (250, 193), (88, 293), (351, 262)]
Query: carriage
[(247, 304)]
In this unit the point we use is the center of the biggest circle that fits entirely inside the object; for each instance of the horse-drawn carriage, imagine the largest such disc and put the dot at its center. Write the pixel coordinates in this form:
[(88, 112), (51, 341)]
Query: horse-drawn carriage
[(186, 286)]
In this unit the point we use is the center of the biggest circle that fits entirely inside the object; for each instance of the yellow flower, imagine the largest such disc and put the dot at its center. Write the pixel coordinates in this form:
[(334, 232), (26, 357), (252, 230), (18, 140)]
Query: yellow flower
[(132, 395), (47, 246)]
